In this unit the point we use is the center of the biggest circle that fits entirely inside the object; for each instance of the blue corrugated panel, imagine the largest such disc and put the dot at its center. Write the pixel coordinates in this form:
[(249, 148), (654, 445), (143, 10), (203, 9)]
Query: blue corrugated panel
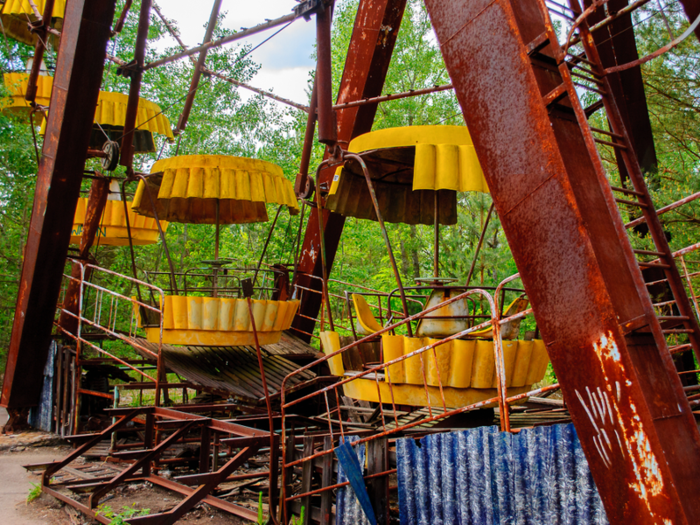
[(41, 417), (486, 477), (348, 510)]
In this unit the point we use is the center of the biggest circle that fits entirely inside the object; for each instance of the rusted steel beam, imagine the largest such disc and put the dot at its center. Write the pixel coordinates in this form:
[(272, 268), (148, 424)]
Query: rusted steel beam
[(75, 90), (41, 28), (327, 125), (617, 46), (692, 11), (577, 266), (97, 199), (225, 40), (134, 70), (371, 46), (394, 96), (197, 74)]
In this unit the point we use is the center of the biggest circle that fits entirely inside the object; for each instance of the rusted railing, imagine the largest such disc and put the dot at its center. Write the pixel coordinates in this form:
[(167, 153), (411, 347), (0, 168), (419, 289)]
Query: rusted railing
[(389, 417), (105, 313)]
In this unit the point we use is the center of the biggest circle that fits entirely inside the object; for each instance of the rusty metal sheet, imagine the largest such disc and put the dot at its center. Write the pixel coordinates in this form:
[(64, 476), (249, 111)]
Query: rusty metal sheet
[(371, 45), (229, 370), (290, 344), (75, 90), (626, 401)]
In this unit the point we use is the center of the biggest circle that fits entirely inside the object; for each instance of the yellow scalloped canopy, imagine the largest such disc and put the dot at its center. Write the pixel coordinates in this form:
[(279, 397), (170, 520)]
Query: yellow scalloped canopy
[(113, 230), (111, 111), (407, 166), (190, 187), (111, 106), (16, 15), (444, 159), (16, 84)]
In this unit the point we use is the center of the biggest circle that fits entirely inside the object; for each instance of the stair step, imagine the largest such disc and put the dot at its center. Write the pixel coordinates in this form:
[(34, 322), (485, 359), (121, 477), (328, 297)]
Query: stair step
[(608, 143), (680, 348), (556, 94), (625, 190), (539, 43), (614, 135), (632, 203), (665, 303), (654, 265)]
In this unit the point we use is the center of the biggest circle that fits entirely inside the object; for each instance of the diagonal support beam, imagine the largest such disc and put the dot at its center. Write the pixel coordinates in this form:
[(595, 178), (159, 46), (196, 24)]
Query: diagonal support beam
[(198, 68), (371, 46), (75, 90), (568, 241), (199, 493)]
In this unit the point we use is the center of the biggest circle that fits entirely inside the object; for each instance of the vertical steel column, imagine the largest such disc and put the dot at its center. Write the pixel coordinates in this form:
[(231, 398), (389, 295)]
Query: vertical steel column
[(616, 46), (692, 10), (73, 100), (578, 268), (371, 46)]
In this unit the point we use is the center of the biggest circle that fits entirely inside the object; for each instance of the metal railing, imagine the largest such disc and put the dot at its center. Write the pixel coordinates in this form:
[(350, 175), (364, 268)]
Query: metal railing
[(388, 414), (103, 313)]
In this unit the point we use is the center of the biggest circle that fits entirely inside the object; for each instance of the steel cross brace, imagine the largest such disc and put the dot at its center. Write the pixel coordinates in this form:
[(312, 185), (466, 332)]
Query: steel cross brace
[(567, 237)]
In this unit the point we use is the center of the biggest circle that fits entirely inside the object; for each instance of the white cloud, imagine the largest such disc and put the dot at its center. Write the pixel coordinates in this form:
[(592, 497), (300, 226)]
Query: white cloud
[(285, 59)]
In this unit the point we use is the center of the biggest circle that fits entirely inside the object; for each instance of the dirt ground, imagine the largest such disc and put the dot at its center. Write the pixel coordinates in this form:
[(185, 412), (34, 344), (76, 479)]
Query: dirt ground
[(39, 447)]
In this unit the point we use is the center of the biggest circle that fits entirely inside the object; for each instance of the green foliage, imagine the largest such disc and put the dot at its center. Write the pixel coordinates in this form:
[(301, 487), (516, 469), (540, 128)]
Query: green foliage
[(34, 492), (300, 519), (261, 520), (119, 518)]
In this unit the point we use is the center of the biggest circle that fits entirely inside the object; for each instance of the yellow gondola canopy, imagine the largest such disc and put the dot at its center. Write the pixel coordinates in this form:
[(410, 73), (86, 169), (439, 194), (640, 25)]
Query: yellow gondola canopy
[(16, 85), (16, 15), (111, 116), (189, 188), (110, 113), (407, 166), (113, 230)]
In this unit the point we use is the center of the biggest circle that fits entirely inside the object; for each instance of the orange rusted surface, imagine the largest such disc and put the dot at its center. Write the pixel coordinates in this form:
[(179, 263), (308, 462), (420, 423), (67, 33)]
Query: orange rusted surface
[(558, 214), (372, 43)]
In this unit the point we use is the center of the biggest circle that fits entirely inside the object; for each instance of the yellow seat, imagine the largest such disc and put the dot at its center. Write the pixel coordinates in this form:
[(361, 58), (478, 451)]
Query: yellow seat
[(368, 323), (221, 321), (466, 369)]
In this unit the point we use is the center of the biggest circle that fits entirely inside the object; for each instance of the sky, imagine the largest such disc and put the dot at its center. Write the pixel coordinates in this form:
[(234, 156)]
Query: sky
[(285, 59)]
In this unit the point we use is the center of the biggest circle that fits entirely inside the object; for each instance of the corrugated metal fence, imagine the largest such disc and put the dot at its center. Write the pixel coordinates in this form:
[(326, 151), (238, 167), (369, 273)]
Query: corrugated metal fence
[(482, 476)]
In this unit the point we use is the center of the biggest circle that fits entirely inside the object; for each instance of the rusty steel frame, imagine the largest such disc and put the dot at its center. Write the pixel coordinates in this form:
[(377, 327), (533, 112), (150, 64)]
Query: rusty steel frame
[(198, 69), (134, 70), (97, 199), (616, 45), (73, 322), (502, 399), (146, 459), (75, 90), (577, 265), (369, 53), (692, 11)]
